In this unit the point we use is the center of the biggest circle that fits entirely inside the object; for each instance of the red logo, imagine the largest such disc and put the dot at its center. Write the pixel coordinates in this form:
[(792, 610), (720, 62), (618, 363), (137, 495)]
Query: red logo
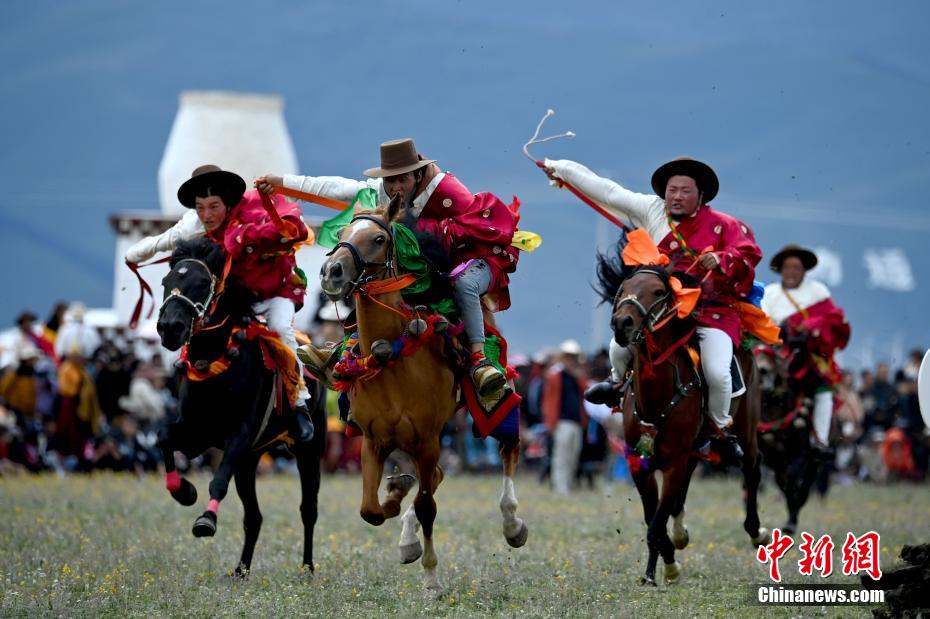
[(775, 551), (861, 554)]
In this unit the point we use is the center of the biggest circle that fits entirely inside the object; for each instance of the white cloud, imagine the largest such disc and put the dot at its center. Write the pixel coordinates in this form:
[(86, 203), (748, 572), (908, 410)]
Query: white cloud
[(889, 269)]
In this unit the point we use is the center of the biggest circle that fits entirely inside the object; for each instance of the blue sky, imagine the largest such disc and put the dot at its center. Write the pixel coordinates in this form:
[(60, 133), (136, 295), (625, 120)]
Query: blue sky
[(813, 114)]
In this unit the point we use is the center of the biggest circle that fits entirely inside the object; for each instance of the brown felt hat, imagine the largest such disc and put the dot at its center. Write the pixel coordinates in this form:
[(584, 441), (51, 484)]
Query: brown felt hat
[(703, 175), (808, 258), (398, 157), (213, 181)]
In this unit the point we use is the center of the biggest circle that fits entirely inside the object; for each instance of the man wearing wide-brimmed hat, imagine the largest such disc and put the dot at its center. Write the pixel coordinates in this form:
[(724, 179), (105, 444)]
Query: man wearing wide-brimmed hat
[(261, 248), (805, 309), (697, 239), (475, 229)]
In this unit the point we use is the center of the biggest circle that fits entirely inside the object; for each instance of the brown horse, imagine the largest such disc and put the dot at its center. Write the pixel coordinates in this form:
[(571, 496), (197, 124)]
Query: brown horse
[(405, 405), (665, 414)]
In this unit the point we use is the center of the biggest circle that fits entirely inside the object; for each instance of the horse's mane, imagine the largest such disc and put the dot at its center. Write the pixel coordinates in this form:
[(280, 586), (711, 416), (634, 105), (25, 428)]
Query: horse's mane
[(611, 271), (212, 254)]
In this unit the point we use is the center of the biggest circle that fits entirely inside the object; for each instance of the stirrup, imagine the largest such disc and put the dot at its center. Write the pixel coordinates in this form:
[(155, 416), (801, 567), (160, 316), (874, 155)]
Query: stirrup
[(493, 382)]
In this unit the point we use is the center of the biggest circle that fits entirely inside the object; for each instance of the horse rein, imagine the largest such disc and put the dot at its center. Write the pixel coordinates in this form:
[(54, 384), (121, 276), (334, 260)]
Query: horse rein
[(361, 265), (652, 320), (200, 307)]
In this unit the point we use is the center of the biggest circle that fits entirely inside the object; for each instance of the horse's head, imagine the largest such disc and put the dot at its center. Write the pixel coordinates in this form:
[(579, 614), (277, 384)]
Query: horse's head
[(641, 301), (189, 289), (365, 252)]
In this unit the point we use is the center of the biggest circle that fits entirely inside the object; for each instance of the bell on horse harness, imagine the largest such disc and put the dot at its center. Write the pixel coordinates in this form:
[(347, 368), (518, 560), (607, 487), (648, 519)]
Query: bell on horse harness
[(381, 351), (416, 327)]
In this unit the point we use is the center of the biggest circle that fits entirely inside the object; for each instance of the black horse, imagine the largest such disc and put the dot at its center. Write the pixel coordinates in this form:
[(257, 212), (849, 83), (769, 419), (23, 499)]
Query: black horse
[(236, 410), (785, 430)]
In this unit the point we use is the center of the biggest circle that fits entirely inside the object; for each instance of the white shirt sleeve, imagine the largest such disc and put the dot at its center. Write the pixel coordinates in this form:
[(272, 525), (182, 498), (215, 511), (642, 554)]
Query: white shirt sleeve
[(187, 228), (643, 211), (335, 187)]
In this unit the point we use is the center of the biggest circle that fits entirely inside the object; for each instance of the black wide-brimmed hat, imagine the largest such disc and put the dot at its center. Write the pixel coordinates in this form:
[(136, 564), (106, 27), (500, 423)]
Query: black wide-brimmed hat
[(703, 175), (211, 180), (807, 257), (398, 157)]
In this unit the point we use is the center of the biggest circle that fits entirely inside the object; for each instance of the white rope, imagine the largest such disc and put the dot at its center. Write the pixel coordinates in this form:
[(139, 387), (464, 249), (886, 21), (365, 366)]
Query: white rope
[(537, 140)]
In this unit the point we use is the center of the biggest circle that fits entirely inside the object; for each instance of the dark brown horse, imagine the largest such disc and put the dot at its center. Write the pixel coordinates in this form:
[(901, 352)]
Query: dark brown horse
[(663, 412), (405, 405), (785, 431)]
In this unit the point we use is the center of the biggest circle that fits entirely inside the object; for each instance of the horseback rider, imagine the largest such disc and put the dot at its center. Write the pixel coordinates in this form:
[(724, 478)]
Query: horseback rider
[(694, 236), (262, 253), (808, 316), (476, 230)]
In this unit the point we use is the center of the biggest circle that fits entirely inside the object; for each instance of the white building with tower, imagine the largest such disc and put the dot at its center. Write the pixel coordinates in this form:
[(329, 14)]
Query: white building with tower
[(242, 133)]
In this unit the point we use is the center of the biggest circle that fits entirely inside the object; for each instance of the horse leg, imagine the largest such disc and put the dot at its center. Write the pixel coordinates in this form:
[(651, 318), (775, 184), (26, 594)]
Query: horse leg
[(674, 481), (372, 469), (308, 464), (397, 488), (680, 536), (252, 516), (169, 440), (649, 494), (234, 450), (752, 474), (409, 545), (515, 530), (425, 508)]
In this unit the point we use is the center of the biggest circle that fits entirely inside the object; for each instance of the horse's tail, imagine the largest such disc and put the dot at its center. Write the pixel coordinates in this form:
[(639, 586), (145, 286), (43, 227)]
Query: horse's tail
[(611, 271)]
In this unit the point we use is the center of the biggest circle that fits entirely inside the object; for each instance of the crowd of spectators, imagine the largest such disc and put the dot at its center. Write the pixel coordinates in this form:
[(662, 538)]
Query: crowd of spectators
[(77, 398)]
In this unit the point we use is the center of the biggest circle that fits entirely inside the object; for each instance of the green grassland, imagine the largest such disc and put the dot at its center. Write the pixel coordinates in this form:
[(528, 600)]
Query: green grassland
[(112, 545)]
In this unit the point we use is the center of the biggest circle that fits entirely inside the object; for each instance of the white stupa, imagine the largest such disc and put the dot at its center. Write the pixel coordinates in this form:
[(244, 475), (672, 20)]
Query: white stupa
[(243, 133)]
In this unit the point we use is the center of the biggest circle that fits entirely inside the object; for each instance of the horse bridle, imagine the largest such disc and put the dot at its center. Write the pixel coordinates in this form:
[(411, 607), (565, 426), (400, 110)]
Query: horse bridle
[(362, 266), (200, 307), (650, 316)]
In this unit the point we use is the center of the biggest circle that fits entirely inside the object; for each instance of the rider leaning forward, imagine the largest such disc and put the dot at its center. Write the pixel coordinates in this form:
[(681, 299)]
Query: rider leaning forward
[(476, 231), (698, 239), (262, 252)]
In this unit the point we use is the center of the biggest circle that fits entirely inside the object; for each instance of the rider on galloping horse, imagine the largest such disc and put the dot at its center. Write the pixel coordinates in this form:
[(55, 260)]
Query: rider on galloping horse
[(692, 234), (262, 253), (807, 314), (476, 230)]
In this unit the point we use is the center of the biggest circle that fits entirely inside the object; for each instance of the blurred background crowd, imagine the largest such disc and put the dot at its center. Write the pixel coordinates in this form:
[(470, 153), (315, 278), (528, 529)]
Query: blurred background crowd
[(76, 398)]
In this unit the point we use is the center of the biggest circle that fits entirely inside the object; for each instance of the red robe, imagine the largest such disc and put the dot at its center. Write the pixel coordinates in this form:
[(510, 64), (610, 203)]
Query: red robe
[(828, 331), (262, 255), (474, 226), (735, 246)]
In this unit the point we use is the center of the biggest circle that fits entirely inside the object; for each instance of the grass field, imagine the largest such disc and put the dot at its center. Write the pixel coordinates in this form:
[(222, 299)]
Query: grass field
[(115, 546)]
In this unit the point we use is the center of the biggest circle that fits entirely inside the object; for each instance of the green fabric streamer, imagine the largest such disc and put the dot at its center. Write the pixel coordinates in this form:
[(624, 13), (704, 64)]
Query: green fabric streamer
[(492, 351), (329, 231)]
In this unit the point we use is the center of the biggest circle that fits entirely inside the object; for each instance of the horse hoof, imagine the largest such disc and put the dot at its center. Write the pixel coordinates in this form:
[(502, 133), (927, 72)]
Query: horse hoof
[(402, 482), (241, 571), (410, 552), (519, 539), (646, 581), (186, 495), (789, 529), (680, 539), (672, 572), (764, 538), (205, 526)]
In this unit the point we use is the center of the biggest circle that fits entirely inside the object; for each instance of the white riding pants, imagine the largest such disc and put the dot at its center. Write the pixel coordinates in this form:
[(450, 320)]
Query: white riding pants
[(823, 415), (716, 357), (279, 316)]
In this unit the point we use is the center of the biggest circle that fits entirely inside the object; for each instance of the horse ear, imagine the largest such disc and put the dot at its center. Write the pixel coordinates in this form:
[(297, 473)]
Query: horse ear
[(395, 207)]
